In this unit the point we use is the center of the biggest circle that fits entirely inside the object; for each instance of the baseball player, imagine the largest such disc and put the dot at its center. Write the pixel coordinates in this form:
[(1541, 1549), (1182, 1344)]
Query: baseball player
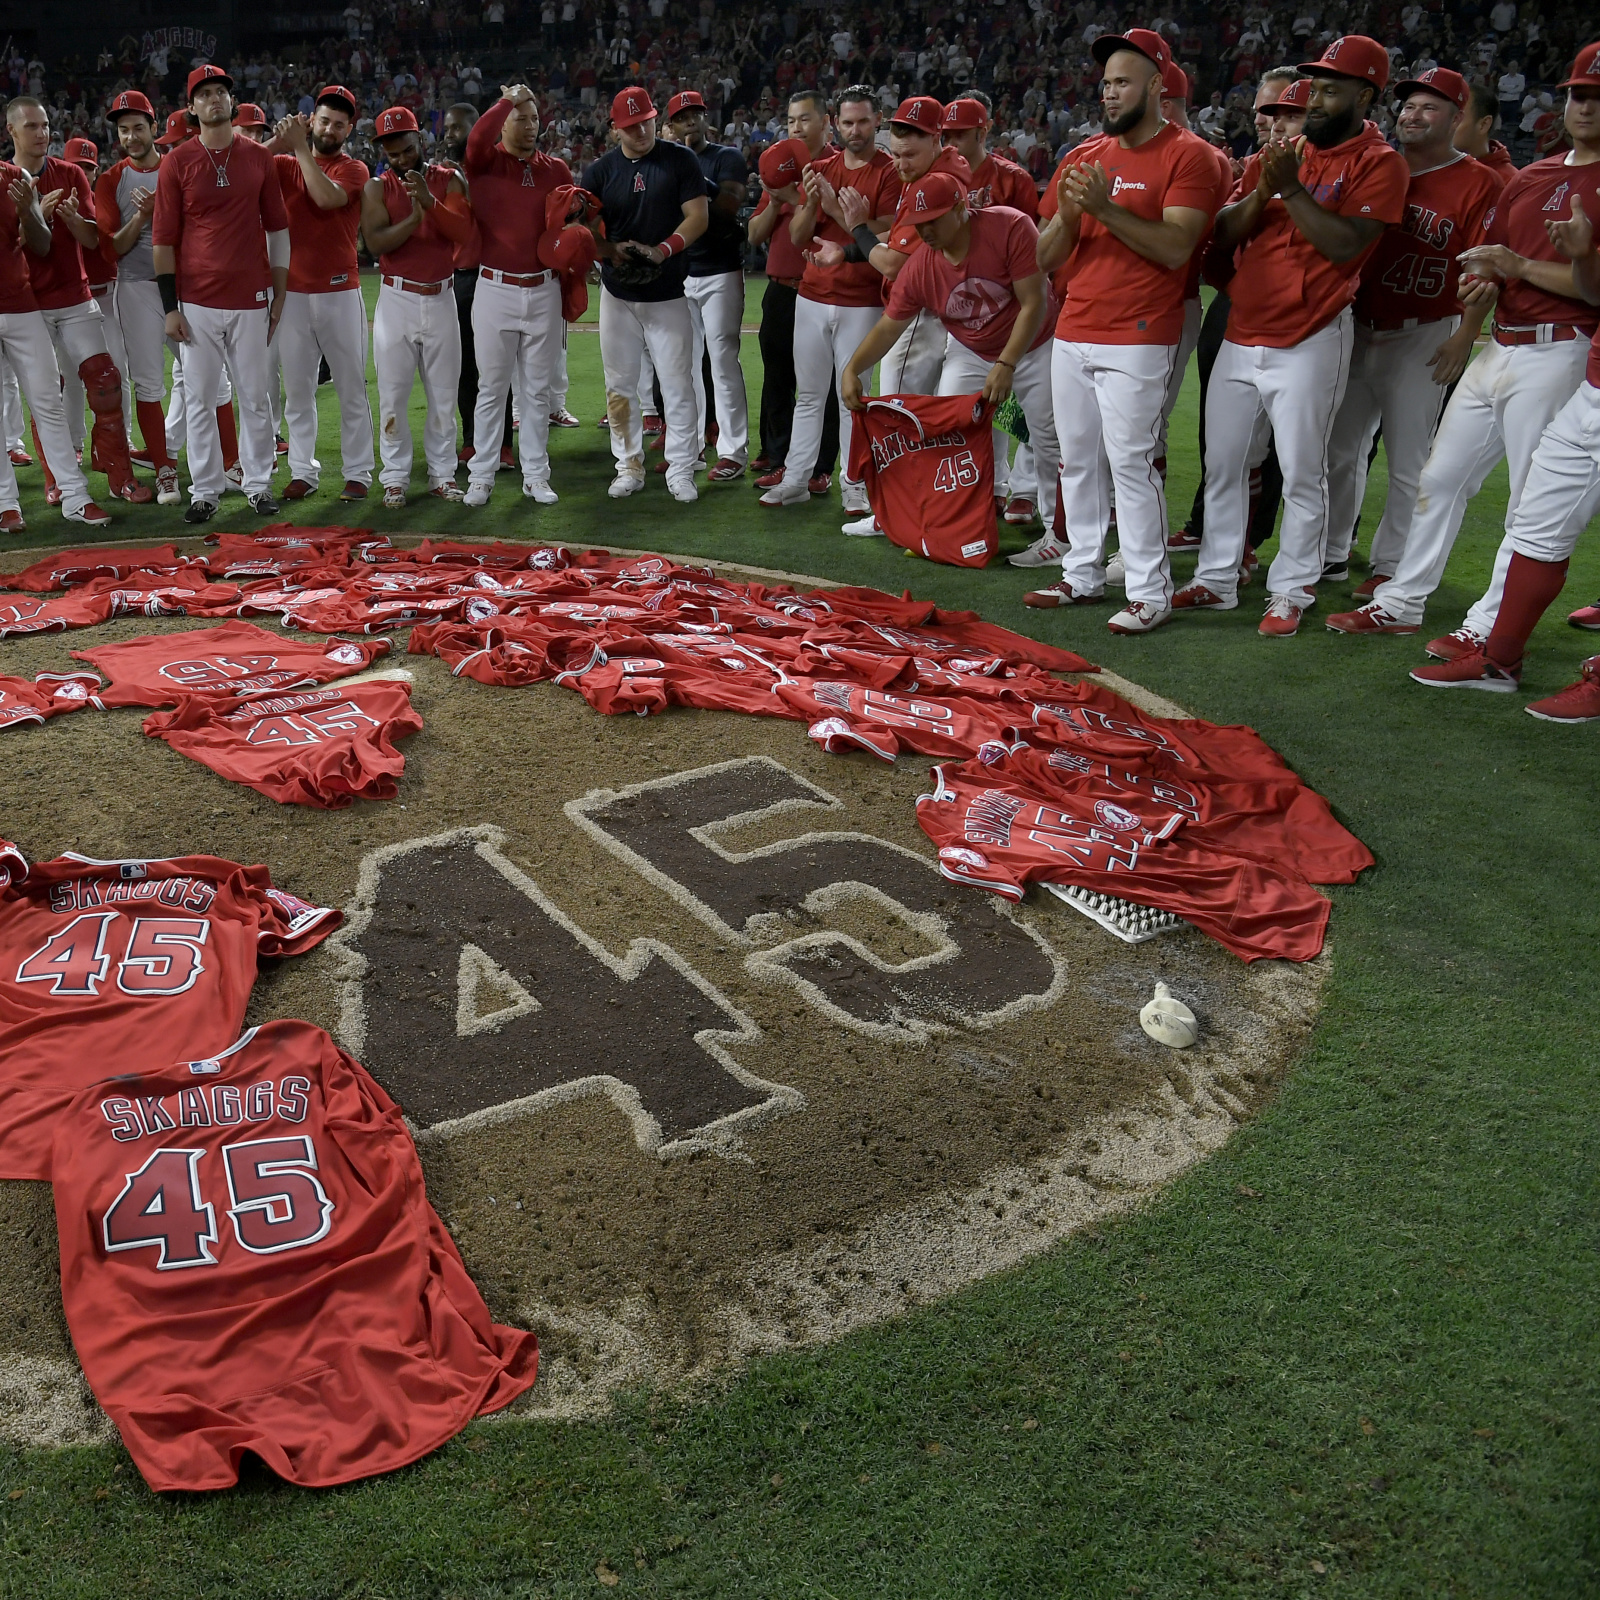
[(251, 122), (61, 287), (1472, 136), (653, 203), (840, 299), (516, 307), (1526, 373), (220, 217), (1304, 223), (414, 218), (1411, 343), (714, 288), (324, 318), (100, 267), (1130, 209)]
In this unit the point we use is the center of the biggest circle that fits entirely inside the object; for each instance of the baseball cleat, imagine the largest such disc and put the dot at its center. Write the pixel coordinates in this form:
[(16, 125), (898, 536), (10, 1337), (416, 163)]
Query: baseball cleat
[(11, 521), (508, 462), (1474, 671), (1370, 619), (1059, 594), (394, 498), (477, 495), (820, 484), (52, 494), (653, 425), (280, 445), (770, 480), (448, 490), (200, 511), (853, 499), (562, 418), (1336, 572), (1183, 539), (464, 455), (88, 513), (624, 484), (863, 528), (20, 458), (1019, 511), (353, 491), (785, 496), (1452, 646), (538, 489), (1139, 616), (167, 493), (1116, 571), (1578, 702), (263, 504), (1044, 552), (682, 489), (141, 458), (725, 471), (1282, 618), (1368, 587), (1248, 568), (134, 492), (1586, 617), (298, 489), (234, 477), (1196, 597)]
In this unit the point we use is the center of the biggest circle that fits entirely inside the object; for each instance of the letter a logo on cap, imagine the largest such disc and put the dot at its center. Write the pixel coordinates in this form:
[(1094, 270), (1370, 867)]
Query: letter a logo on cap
[(922, 201), (633, 106)]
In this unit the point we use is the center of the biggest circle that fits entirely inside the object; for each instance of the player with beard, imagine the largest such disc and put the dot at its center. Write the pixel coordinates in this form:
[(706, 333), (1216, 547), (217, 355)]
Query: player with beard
[(1472, 136), (220, 218), (1305, 222), (325, 317), (413, 219)]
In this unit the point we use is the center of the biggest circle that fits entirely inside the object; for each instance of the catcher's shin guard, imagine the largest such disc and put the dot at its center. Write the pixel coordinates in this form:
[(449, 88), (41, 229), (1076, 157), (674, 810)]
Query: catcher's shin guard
[(108, 450)]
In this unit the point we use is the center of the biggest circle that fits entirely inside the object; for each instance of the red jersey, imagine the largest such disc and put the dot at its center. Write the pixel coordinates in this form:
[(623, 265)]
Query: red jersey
[(50, 694), (848, 716), (428, 256), (998, 182), (1411, 277), (1115, 295), (315, 747), (83, 608), (783, 254), (1498, 161), (974, 299), (1538, 194), (99, 264), (16, 286), (322, 240), (249, 1263), (1191, 286), (928, 463), (508, 195), (853, 283), (216, 209), (1285, 289), (59, 278), (123, 962), (236, 659), (62, 569)]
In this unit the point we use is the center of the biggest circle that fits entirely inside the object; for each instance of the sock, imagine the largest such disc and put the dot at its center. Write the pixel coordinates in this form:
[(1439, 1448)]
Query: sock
[(44, 466), (1530, 587), (153, 425), (230, 437)]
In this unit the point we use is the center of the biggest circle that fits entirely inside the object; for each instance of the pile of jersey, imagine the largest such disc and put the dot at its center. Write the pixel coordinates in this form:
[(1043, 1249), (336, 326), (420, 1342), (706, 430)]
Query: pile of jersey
[(1041, 780)]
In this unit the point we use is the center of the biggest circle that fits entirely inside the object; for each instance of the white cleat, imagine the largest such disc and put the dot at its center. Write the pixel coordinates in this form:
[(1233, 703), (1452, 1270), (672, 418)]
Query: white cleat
[(853, 496), (624, 484), (787, 495), (683, 490), (863, 528), (477, 495), (539, 489), (1116, 572), (448, 490), (235, 478), (1043, 552), (1139, 616), (394, 498), (167, 491)]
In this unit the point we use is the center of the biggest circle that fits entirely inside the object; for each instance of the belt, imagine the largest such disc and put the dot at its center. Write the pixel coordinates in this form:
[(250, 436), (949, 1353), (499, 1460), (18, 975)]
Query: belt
[(513, 280), (417, 288), (1400, 324), (1538, 333), (788, 283)]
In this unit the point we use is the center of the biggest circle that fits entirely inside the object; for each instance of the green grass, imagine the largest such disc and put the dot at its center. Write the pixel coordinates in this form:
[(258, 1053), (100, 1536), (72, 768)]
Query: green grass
[(1375, 1374)]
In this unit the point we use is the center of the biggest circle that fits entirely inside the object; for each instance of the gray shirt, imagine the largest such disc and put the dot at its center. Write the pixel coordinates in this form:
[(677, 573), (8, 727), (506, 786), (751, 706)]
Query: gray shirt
[(137, 266)]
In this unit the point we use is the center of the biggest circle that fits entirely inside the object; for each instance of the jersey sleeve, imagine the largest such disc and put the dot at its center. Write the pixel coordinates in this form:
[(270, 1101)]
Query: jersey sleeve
[(353, 178), (289, 926), (908, 289), (274, 214), (107, 213), (888, 192), (485, 136), (1194, 182), (167, 224), (1381, 192), (733, 167)]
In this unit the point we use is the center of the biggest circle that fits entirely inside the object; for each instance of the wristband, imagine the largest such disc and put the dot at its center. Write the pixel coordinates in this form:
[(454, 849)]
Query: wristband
[(167, 284), (671, 245), (868, 244), (852, 252)]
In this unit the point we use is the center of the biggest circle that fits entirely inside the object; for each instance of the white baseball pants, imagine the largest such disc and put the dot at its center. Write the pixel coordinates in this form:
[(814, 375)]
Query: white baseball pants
[(1390, 382), (1504, 402), (77, 332), (314, 326), (964, 373), (914, 359), (716, 311), (28, 350), (825, 337), (1193, 316), (236, 340), (1562, 490), (1298, 391), (136, 307), (1108, 403), (558, 384), (628, 329), (11, 420), (516, 337), (416, 334)]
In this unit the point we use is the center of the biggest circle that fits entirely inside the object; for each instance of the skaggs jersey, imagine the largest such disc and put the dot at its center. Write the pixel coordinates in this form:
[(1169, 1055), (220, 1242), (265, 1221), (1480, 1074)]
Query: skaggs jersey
[(47, 695), (249, 1263), (126, 962), (63, 569), (928, 462)]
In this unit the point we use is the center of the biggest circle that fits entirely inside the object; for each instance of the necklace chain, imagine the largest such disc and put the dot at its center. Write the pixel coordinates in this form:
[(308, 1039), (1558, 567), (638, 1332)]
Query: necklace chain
[(221, 170)]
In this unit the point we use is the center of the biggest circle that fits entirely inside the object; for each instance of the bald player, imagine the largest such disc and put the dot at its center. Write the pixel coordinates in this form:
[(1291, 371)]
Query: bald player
[(1129, 209), (1472, 136), (100, 267), (413, 219)]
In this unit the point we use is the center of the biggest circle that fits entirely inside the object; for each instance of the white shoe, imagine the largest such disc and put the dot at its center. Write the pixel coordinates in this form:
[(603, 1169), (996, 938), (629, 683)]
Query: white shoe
[(394, 498), (624, 484), (1116, 572), (235, 478), (1139, 616), (448, 490), (863, 528), (1043, 552), (167, 491), (786, 494), (477, 495), (539, 489), (683, 489), (854, 498)]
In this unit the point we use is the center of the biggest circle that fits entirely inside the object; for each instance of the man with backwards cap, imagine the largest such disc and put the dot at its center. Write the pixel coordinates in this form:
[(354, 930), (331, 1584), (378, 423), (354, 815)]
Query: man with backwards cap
[(220, 217), (653, 202), (714, 289), (1128, 209), (1305, 222), (1411, 343), (325, 318), (412, 218)]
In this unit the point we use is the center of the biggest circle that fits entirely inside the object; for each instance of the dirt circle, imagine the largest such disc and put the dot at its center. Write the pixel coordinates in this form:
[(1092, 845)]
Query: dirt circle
[(704, 1058)]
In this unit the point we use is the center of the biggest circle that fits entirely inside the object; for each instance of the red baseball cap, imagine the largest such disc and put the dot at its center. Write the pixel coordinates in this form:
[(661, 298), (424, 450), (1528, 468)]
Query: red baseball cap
[(782, 163), (209, 73), (247, 114), (392, 121), (1354, 56), (1295, 98), (1147, 43), (921, 112), (127, 103), (965, 113), (1585, 72), (335, 94), (631, 107), (1174, 83), (569, 249), (83, 151), (567, 203), (179, 128), (1441, 81), (932, 195), (688, 100)]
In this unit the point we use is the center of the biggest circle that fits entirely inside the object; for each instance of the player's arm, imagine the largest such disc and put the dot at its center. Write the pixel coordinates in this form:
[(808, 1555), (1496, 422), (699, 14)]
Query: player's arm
[(1058, 237), (803, 224), (381, 234), (731, 195), (770, 212), (452, 216), (36, 234), (1032, 303), (877, 344), (76, 209), (295, 134), (1330, 235), (485, 133), (275, 223), (853, 214), (1235, 223), (108, 216), (1169, 242), (166, 231)]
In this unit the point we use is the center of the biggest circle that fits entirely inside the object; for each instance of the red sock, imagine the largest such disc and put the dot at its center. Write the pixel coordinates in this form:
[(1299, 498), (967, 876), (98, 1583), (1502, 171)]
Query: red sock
[(230, 436), (1530, 587), (44, 466), (153, 425)]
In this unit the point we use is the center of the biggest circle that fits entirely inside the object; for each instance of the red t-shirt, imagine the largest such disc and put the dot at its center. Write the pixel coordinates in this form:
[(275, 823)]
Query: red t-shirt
[(975, 300), (49, 694), (783, 254), (220, 230), (1538, 194), (322, 240), (928, 463), (1115, 295), (852, 283), (99, 264), (16, 286), (508, 195), (1191, 286), (110, 966), (428, 256), (1285, 288), (1412, 274), (63, 569), (249, 1263), (999, 182), (59, 278), (1499, 162)]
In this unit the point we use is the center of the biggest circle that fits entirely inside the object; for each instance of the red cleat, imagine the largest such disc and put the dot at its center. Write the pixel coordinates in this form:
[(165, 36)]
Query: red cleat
[(20, 458), (1578, 702), (1248, 568), (1452, 646), (653, 426), (11, 522), (1183, 539), (353, 491), (1475, 671), (1586, 617), (1020, 511), (725, 471), (770, 480), (89, 513), (52, 494), (508, 462), (1282, 619), (1196, 597), (1370, 619), (298, 489), (134, 492), (762, 464), (820, 484), (1059, 594), (1368, 587), (281, 446)]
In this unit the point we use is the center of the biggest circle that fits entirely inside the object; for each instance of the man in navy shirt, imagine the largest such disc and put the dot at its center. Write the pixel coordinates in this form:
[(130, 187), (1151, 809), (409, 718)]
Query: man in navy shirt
[(653, 200), (715, 286)]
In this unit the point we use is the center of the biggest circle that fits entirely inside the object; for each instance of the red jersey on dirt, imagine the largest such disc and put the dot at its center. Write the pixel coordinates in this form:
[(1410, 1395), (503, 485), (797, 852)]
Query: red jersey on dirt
[(218, 228), (114, 965), (928, 462), (428, 256), (59, 279), (49, 694), (1541, 193), (852, 283), (63, 569), (249, 1263), (322, 240), (1412, 275), (508, 195), (998, 182), (1285, 288)]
